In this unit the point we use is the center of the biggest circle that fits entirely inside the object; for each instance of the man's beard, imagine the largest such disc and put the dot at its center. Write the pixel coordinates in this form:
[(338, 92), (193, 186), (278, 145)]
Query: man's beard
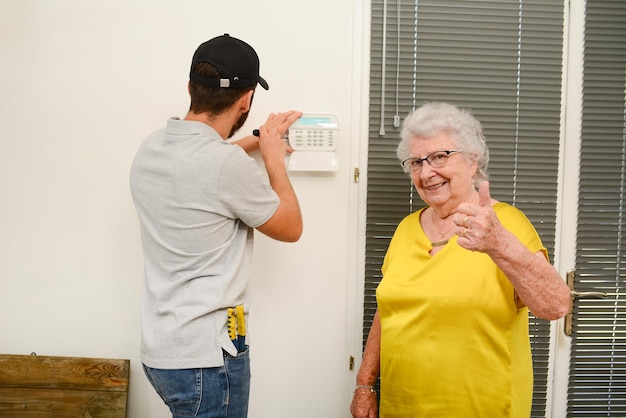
[(242, 119), (238, 124)]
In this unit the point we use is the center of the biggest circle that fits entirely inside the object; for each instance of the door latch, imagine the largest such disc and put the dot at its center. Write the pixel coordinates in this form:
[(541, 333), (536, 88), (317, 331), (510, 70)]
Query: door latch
[(569, 318)]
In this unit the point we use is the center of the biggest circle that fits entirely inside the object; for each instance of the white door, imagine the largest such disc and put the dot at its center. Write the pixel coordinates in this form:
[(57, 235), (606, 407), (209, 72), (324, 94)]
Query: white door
[(589, 346)]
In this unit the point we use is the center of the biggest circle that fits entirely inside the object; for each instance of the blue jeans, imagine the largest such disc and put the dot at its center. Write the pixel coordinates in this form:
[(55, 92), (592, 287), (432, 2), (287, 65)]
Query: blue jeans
[(216, 392)]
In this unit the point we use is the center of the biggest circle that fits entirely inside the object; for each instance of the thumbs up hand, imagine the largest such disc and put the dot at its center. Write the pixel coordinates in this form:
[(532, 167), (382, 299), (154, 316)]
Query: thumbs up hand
[(478, 226)]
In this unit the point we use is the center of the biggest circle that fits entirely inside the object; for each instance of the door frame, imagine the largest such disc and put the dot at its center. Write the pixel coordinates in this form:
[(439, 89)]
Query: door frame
[(567, 213)]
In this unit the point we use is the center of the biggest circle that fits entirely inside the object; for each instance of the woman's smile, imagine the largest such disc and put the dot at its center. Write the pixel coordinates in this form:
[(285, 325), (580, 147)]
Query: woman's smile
[(436, 186)]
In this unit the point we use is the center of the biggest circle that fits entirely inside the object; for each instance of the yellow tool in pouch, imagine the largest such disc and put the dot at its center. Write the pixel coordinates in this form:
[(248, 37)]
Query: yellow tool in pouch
[(237, 327), (232, 324), (241, 328)]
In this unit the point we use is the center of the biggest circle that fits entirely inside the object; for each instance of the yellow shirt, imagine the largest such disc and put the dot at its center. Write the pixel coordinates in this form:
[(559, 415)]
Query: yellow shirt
[(454, 335)]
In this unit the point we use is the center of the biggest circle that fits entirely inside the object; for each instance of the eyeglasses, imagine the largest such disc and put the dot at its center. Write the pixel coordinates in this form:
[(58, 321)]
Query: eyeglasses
[(436, 159)]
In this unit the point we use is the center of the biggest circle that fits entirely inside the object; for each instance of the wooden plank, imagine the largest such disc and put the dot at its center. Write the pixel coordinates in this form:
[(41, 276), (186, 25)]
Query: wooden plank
[(64, 372), (63, 387), (61, 403)]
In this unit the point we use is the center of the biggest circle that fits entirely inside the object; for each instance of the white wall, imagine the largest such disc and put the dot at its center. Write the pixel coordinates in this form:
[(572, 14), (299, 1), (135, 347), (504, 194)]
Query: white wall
[(81, 84)]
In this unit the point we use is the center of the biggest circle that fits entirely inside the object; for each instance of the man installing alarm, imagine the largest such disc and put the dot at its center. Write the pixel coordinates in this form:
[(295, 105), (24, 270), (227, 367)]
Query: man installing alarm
[(198, 199)]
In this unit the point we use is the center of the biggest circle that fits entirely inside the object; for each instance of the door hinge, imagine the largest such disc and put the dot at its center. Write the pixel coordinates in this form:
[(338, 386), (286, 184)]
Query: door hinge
[(357, 173), (351, 364)]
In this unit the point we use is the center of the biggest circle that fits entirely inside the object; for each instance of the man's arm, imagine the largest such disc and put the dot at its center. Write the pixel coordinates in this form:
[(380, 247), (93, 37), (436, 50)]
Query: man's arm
[(286, 223), (249, 143)]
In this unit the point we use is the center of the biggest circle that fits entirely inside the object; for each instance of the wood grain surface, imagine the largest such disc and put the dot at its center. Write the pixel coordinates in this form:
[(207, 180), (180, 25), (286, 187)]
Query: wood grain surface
[(62, 387)]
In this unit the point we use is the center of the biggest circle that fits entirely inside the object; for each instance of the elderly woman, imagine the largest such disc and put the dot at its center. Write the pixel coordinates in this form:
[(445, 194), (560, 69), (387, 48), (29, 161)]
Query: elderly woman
[(450, 337)]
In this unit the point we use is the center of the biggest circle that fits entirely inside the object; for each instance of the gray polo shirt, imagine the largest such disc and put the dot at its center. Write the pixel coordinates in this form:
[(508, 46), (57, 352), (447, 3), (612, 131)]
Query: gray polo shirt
[(198, 199)]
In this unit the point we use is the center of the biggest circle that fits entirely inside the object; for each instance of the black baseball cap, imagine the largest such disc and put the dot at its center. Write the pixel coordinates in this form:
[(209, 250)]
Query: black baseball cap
[(235, 60)]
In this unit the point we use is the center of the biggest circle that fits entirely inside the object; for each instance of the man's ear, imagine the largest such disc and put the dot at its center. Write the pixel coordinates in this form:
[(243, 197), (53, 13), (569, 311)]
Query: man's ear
[(246, 101)]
